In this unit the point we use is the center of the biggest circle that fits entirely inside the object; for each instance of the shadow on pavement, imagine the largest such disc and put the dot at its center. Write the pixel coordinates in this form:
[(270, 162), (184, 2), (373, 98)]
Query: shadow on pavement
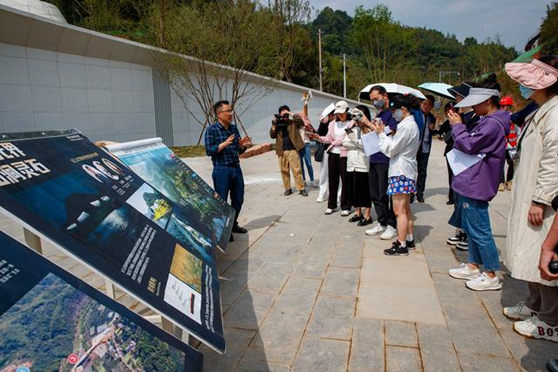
[(237, 302)]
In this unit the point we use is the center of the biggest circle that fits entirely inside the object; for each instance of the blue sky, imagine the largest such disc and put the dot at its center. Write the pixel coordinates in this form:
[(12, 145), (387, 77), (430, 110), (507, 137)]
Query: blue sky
[(514, 20)]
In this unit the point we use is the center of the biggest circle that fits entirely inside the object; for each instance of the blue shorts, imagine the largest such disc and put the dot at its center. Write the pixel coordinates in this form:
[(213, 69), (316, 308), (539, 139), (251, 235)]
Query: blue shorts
[(401, 185)]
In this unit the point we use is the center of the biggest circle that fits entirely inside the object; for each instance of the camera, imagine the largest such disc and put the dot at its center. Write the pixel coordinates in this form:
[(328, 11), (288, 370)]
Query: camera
[(281, 121)]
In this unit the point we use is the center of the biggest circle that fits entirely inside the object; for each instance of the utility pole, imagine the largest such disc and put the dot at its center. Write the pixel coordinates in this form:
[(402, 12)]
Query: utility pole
[(441, 74), (344, 76), (320, 57)]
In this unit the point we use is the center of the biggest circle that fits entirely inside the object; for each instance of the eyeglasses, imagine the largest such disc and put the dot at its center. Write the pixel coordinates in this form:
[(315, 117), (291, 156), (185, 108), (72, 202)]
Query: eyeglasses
[(229, 110)]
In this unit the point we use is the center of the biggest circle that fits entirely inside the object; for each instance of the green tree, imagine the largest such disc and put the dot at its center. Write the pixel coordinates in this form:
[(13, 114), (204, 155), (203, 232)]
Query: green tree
[(549, 30)]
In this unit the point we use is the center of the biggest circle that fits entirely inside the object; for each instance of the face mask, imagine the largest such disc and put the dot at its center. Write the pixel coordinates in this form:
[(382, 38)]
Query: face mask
[(526, 92), (379, 104), (398, 115)]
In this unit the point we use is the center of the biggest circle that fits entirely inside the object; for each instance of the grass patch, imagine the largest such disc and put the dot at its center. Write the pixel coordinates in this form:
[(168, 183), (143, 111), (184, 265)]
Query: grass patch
[(189, 151)]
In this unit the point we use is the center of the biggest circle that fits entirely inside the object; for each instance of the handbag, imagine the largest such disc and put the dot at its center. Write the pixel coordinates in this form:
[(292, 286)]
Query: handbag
[(319, 153)]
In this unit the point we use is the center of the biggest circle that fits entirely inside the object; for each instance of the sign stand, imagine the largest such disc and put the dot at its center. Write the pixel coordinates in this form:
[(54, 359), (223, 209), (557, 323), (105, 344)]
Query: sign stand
[(34, 242)]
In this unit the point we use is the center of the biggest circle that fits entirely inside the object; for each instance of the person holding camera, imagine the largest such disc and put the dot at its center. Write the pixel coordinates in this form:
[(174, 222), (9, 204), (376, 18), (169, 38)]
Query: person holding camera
[(357, 167), (337, 158), (530, 219), (285, 129)]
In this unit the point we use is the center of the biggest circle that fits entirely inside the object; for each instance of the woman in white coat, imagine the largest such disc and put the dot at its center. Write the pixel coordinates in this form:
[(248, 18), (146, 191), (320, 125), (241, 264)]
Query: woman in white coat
[(536, 184), (402, 150)]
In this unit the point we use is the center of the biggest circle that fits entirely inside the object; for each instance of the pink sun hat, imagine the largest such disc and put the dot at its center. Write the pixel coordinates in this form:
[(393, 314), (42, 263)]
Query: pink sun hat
[(536, 75)]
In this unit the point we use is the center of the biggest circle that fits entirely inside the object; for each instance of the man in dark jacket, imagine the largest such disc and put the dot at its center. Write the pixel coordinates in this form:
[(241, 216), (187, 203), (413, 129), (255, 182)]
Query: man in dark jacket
[(285, 129)]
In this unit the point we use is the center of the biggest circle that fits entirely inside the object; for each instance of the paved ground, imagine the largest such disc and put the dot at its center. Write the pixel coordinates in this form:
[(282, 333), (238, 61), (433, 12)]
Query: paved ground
[(308, 292)]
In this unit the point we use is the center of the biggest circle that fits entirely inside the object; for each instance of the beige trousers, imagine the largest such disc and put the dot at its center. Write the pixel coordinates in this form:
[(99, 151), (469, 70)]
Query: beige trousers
[(290, 160)]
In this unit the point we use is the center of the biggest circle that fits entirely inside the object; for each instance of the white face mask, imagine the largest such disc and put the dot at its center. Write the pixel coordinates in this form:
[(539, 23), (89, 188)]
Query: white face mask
[(398, 115)]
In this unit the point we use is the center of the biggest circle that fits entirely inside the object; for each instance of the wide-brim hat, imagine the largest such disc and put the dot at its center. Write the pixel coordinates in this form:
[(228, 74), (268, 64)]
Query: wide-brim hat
[(476, 96), (461, 90), (536, 75)]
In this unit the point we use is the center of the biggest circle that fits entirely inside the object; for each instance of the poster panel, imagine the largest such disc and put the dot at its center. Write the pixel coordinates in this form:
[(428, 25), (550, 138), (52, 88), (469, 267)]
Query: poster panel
[(52, 321), (99, 211), (168, 174)]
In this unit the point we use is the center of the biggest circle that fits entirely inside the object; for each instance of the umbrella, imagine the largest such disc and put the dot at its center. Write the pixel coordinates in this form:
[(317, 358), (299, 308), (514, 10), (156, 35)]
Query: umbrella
[(440, 89), (392, 88)]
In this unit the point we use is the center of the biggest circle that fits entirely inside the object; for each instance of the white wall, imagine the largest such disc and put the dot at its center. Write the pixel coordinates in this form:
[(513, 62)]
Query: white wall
[(45, 90)]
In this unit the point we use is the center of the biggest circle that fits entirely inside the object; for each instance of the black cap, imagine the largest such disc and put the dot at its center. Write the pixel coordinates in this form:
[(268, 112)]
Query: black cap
[(462, 90)]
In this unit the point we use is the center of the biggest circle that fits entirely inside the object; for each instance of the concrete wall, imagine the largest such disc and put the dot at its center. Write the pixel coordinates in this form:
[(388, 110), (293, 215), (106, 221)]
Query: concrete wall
[(45, 90)]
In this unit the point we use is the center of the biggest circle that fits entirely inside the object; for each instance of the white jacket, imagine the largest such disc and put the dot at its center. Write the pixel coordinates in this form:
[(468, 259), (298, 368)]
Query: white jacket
[(536, 179), (402, 149), (357, 161)]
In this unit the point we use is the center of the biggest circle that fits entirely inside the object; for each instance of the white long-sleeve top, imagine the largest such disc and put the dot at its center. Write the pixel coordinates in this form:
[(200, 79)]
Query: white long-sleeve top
[(357, 161), (402, 149)]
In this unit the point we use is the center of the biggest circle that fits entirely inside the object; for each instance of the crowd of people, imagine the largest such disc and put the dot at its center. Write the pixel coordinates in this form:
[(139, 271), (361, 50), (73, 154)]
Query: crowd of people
[(479, 125)]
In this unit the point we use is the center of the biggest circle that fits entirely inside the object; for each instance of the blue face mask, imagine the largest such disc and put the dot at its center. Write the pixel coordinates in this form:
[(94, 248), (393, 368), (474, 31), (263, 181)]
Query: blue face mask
[(526, 92)]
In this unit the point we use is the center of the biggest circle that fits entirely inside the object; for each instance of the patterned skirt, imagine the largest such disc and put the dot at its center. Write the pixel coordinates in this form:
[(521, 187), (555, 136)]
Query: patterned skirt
[(401, 185)]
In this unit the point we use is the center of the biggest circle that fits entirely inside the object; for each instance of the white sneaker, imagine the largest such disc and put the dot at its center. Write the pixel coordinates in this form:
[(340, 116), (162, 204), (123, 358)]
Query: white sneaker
[(321, 199), (484, 283), (315, 184), (375, 230), (345, 213), (389, 233), (535, 328), (518, 312), (329, 211), (464, 272)]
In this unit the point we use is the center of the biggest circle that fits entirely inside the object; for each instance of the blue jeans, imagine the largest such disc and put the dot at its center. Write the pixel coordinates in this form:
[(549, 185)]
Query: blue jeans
[(476, 223), (229, 180), (306, 156), (455, 219)]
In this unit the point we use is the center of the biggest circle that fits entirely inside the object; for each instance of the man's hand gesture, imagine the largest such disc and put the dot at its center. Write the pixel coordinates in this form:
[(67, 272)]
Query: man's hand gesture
[(246, 141)]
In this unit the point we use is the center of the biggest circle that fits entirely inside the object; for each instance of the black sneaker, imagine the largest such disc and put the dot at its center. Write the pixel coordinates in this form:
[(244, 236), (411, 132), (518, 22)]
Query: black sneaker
[(396, 250), (303, 192), (412, 198), (420, 198), (463, 245), (454, 240), (411, 245), (288, 192)]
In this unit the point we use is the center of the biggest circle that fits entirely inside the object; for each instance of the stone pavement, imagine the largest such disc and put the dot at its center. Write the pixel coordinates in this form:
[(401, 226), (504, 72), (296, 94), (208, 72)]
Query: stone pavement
[(308, 292)]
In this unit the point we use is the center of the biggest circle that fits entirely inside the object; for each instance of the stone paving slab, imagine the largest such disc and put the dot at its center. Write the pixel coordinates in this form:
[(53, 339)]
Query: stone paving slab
[(322, 355)]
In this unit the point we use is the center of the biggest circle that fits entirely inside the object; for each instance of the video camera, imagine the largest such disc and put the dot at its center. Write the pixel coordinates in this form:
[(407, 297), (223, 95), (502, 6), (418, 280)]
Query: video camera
[(281, 121)]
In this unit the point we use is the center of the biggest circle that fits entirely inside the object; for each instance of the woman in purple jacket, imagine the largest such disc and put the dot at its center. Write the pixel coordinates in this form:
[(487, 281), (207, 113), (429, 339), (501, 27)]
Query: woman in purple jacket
[(478, 184)]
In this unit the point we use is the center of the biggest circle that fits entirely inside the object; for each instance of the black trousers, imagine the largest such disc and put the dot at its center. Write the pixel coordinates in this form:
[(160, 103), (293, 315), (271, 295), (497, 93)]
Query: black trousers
[(422, 164), (451, 197), (378, 177), (337, 168)]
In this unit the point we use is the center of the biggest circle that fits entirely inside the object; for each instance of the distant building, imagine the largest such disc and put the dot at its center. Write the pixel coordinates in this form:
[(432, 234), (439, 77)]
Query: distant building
[(57, 76)]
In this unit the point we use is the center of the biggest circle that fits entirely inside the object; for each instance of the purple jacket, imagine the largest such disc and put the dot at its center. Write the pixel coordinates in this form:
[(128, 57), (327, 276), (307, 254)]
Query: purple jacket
[(481, 181)]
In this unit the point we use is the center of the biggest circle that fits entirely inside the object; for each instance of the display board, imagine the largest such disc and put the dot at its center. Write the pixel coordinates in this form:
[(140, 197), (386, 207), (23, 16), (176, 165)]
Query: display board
[(95, 208), (168, 174), (52, 321)]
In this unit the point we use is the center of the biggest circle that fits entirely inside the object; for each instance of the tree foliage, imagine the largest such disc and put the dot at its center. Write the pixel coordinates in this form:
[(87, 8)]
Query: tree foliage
[(549, 30)]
